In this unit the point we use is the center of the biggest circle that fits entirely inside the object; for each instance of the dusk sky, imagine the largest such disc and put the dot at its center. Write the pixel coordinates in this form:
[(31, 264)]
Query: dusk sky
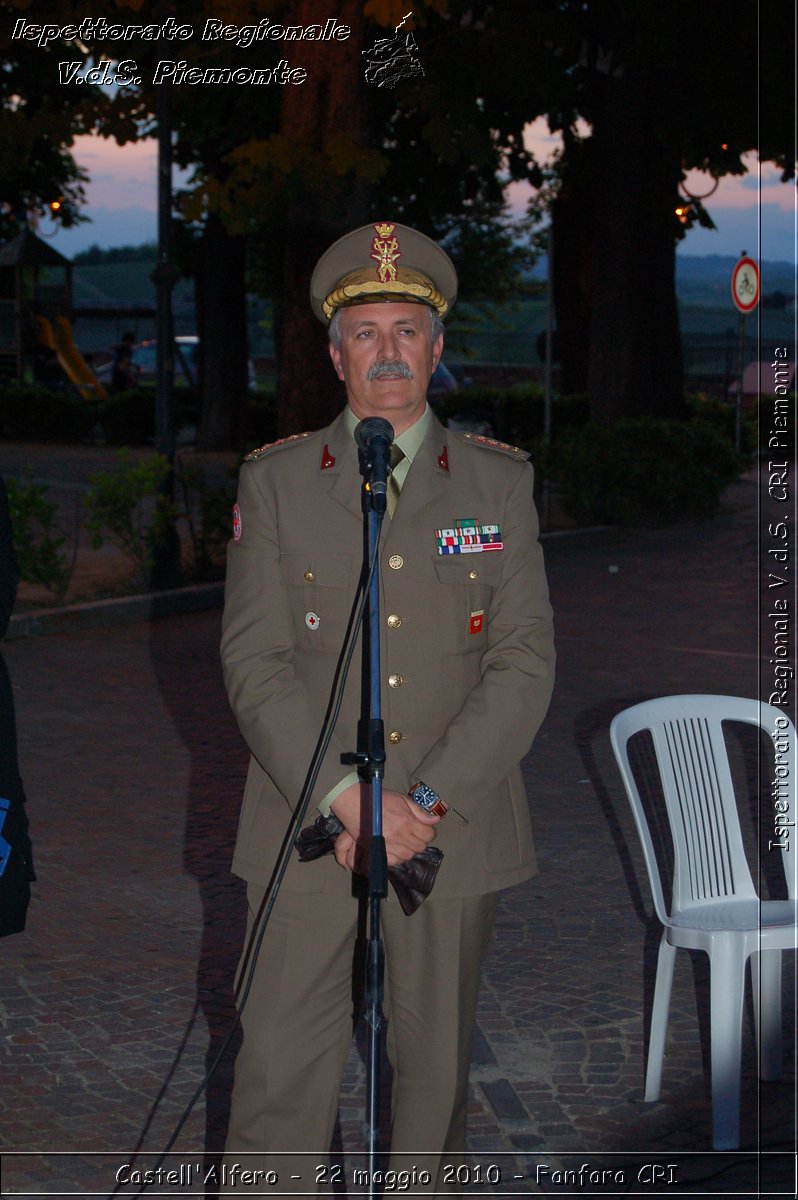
[(122, 203)]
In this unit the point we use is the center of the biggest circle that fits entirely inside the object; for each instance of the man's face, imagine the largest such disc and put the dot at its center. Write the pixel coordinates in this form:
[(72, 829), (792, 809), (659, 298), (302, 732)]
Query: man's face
[(386, 358)]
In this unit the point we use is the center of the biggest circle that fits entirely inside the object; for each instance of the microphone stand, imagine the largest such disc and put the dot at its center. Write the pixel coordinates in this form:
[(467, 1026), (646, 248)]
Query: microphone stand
[(371, 762)]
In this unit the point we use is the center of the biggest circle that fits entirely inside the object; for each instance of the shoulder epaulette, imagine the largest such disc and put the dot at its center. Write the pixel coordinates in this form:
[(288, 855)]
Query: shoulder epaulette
[(267, 449), (478, 439)]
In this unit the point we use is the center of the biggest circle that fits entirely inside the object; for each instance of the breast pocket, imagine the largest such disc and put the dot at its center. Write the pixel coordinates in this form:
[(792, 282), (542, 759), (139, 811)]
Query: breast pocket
[(466, 584), (320, 592)]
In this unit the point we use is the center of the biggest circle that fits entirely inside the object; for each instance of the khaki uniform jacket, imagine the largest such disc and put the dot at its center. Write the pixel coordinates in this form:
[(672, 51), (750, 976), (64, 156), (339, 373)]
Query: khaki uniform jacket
[(467, 647)]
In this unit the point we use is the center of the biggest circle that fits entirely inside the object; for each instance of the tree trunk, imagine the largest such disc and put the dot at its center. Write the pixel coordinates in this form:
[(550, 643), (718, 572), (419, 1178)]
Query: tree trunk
[(635, 345), (573, 228), (309, 394), (327, 105), (222, 327)]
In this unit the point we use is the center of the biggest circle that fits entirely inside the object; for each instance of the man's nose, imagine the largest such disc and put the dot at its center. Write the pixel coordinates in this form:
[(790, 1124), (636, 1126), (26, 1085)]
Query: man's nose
[(388, 346)]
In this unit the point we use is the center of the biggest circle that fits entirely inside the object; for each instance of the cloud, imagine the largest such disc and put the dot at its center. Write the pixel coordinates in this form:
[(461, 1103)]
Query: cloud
[(770, 177), (740, 229)]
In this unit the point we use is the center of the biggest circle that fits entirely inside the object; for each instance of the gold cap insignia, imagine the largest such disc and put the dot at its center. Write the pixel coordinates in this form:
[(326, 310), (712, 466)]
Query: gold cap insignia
[(381, 262), (386, 250)]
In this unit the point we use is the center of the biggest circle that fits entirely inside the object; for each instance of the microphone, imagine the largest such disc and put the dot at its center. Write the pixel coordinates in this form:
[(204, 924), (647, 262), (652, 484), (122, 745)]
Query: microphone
[(374, 437)]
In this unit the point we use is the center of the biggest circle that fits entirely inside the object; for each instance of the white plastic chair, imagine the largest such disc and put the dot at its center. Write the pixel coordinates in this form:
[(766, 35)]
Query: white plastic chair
[(714, 905)]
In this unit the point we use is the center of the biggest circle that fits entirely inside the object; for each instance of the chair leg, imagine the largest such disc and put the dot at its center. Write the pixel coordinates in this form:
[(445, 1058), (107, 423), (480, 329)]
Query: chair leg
[(727, 988), (659, 1017), (766, 986)]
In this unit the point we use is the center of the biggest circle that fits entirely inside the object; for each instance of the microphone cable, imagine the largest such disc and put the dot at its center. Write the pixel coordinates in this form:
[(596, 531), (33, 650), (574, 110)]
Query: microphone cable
[(249, 957)]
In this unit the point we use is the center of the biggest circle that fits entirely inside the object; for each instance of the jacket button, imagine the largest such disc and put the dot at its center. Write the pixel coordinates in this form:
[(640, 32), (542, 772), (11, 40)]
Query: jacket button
[(309, 576), (473, 574), (395, 681), (394, 737), (394, 621), (396, 562)]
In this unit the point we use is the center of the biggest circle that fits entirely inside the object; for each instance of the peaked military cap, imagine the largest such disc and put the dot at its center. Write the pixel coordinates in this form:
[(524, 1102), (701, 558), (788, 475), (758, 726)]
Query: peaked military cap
[(383, 262)]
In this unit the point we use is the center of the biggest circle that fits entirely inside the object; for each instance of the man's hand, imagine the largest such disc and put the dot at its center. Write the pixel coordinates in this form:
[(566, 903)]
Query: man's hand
[(407, 829)]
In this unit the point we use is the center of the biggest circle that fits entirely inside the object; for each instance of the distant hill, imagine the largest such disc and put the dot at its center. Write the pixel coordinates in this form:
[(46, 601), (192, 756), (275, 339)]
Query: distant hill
[(720, 266), (706, 278), (119, 283), (95, 255)]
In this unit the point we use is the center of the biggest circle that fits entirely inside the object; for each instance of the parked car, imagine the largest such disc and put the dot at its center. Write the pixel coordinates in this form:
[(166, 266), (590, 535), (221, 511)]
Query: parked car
[(442, 383), (144, 358)]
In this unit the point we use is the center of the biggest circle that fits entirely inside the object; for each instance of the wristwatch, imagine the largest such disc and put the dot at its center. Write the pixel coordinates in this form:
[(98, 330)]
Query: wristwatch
[(430, 801)]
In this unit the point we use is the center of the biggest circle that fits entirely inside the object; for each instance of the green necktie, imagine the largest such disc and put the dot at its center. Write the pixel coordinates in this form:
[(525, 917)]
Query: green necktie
[(394, 486)]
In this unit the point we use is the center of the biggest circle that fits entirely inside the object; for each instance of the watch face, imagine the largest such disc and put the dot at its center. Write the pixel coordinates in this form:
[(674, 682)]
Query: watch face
[(424, 796)]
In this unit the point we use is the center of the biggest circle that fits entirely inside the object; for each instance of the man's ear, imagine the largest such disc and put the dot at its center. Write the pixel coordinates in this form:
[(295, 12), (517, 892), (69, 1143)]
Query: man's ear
[(335, 355), (437, 351)]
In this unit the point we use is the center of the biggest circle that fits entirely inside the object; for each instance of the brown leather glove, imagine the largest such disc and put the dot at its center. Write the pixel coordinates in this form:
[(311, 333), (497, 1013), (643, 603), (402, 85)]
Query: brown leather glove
[(411, 880)]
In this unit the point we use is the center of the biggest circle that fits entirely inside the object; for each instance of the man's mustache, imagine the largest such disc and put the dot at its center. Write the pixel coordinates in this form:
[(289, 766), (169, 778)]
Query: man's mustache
[(389, 368)]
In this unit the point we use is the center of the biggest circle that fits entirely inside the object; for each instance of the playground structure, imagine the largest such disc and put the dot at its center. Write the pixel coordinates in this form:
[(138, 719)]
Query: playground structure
[(35, 318), (61, 344)]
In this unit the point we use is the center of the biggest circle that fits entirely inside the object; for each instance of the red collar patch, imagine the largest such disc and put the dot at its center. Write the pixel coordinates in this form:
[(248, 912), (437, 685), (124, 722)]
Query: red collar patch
[(327, 459), (443, 459)]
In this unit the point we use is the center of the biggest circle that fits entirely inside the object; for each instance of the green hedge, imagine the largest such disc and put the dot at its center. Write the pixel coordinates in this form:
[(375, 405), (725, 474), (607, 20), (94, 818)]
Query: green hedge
[(128, 418), (32, 413), (517, 413), (723, 418), (644, 471)]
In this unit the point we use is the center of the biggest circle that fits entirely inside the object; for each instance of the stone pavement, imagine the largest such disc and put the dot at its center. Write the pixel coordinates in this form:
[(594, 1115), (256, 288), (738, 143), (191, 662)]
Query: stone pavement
[(118, 994)]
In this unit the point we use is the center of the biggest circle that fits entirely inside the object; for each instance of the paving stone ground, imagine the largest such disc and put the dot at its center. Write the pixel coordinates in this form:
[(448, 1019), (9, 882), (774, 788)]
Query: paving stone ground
[(118, 994)]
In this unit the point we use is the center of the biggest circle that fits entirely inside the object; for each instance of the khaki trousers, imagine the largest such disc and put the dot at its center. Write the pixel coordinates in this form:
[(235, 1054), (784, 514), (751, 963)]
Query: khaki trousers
[(297, 1025)]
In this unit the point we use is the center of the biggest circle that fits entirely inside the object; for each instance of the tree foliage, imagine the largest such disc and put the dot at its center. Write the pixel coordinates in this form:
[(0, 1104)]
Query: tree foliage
[(39, 122), (641, 92)]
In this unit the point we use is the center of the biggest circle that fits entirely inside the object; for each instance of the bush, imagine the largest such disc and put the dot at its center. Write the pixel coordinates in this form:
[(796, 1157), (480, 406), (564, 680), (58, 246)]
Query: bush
[(30, 412), (516, 414), (644, 471), (206, 512), (38, 541), (127, 507), (723, 418), (128, 418), (771, 420)]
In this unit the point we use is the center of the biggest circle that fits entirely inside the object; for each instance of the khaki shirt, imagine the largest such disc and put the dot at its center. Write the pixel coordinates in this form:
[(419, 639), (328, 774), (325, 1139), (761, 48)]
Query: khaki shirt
[(467, 647)]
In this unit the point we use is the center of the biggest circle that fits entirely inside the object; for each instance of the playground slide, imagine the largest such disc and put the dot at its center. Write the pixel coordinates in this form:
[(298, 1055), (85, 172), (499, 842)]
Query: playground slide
[(74, 363), (44, 333), (70, 358)]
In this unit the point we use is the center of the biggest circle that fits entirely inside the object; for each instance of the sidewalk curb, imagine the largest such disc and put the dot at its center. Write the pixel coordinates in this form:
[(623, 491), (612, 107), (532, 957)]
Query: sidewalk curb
[(99, 614)]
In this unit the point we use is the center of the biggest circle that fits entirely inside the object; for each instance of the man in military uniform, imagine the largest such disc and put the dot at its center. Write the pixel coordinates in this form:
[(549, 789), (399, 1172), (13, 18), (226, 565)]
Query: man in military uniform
[(468, 660)]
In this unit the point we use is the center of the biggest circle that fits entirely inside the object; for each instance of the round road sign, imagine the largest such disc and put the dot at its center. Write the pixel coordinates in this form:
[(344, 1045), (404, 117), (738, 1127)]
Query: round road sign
[(745, 284)]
